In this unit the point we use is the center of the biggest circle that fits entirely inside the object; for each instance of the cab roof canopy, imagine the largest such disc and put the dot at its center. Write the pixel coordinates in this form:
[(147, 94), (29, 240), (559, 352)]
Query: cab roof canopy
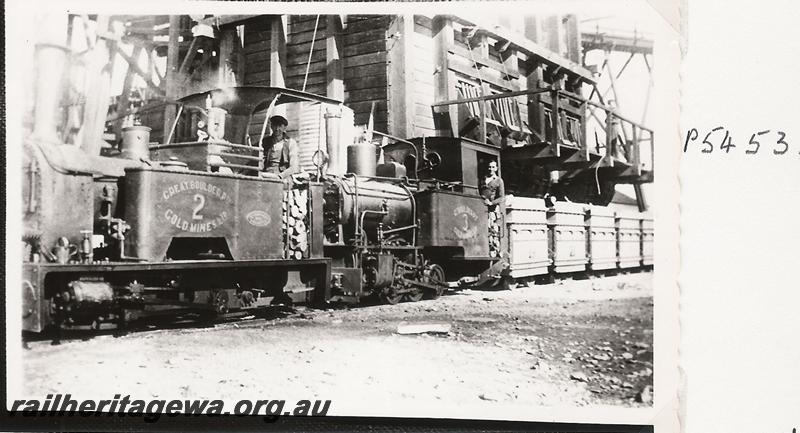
[(246, 100)]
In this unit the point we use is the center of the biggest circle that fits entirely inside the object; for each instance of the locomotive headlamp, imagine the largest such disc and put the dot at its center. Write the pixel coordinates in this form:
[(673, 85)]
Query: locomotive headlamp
[(319, 158)]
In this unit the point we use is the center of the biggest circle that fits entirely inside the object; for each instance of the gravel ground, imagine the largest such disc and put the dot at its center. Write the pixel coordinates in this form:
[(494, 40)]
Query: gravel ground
[(572, 343)]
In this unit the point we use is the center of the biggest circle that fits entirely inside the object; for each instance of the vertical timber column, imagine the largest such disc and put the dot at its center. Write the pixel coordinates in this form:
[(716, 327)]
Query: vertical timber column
[(400, 76), (445, 81), (584, 137), (573, 36), (277, 51), (555, 131), (536, 119), (333, 46), (226, 75), (124, 100), (335, 90), (482, 54), (532, 28), (241, 66), (171, 80), (553, 34), (611, 140), (100, 72), (50, 60)]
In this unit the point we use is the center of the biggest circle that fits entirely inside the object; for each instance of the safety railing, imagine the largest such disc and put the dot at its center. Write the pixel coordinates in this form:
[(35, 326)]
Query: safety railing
[(565, 118), (214, 156)]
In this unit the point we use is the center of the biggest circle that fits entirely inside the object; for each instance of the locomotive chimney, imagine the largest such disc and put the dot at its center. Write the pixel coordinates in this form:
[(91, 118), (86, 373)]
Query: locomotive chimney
[(50, 58), (333, 118)]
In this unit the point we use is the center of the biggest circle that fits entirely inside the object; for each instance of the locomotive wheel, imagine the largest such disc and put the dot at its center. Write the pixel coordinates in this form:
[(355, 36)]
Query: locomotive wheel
[(435, 275), (390, 296), (414, 296)]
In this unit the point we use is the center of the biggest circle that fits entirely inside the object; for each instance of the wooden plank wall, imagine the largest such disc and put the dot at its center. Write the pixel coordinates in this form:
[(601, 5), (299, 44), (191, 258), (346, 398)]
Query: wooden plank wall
[(298, 46), (424, 71), (256, 49), (256, 52), (364, 58)]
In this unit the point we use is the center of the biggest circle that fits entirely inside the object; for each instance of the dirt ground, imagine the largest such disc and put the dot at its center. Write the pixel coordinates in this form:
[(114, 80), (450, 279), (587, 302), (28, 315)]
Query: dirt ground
[(572, 343)]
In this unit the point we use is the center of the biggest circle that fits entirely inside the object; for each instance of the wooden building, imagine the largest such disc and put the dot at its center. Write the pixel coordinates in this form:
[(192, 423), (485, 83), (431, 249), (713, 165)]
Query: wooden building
[(516, 84)]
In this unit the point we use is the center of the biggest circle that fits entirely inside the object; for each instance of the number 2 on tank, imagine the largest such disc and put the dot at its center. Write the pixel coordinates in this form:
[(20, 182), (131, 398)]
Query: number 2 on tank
[(201, 203)]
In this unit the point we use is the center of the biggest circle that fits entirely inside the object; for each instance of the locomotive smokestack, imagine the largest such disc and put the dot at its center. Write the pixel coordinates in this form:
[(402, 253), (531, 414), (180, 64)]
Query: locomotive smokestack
[(333, 118), (50, 58)]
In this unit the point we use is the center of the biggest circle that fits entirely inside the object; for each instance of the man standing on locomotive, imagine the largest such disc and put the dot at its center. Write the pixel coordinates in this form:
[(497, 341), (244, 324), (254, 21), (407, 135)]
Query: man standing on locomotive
[(492, 189), (281, 153)]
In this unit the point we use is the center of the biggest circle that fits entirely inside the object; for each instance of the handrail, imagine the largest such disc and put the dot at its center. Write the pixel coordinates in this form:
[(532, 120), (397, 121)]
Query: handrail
[(492, 97), (644, 134), (205, 142)]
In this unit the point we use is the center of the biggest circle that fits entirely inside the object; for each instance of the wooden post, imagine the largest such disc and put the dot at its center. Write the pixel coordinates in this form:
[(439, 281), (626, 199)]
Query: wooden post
[(100, 72), (445, 82), (555, 141), (333, 46), (124, 98), (652, 151), (277, 51), (637, 162), (573, 36), (611, 140), (227, 43), (172, 85), (49, 66), (552, 33), (510, 62), (482, 53), (532, 28), (400, 76), (241, 65), (536, 119), (640, 200)]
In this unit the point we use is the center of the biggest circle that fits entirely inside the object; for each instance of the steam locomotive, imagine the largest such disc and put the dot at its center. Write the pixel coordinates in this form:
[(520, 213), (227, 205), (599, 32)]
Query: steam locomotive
[(196, 225)]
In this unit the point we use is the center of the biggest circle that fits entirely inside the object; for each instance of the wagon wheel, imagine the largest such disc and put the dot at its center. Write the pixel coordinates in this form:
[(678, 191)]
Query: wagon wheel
[(220, 302), (389, 295), (508, 283), (434, 275)]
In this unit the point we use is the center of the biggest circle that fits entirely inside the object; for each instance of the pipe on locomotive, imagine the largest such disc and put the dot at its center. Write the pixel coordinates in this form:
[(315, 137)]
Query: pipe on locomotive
[(415, 223), (382, 213), (332, 124)]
